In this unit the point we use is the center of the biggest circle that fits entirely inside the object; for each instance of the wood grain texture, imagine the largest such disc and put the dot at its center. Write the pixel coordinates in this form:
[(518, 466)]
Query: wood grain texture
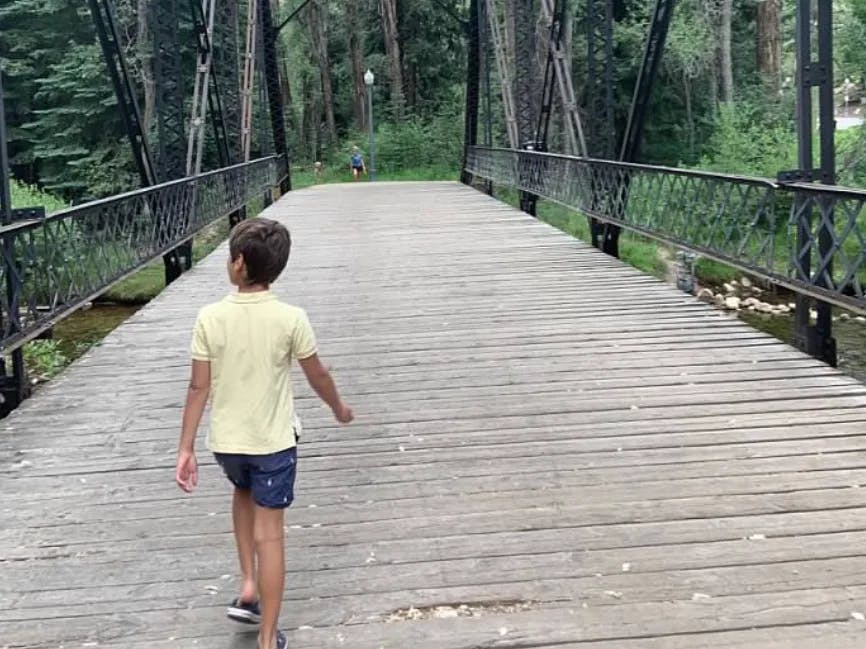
[(574, 452)]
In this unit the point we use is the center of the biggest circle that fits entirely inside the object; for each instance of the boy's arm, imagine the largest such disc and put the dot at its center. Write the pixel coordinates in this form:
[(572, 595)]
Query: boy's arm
[(186, 474), (320, 380)]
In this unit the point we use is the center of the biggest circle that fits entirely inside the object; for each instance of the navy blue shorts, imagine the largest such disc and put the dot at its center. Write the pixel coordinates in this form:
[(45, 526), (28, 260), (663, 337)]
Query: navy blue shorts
[(271, 478)]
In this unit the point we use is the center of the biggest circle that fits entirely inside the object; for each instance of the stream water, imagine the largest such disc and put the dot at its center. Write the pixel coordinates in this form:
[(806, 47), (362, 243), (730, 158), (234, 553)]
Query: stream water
[(85, 328)]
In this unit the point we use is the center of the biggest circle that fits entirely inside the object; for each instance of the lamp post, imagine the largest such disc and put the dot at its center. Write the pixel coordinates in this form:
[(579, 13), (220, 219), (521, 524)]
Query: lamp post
[(369, 79)]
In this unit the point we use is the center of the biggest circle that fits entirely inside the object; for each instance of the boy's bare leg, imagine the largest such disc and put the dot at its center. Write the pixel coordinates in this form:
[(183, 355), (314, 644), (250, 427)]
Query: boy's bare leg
[(271, 571), (243, 517)]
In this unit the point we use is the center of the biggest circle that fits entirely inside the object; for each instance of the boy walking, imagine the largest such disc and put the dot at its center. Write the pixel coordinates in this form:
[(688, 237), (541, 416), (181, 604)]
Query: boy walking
[(242, 349)]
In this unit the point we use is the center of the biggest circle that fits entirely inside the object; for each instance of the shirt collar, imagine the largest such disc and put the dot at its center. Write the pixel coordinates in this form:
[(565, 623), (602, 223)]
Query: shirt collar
[(251, 298)]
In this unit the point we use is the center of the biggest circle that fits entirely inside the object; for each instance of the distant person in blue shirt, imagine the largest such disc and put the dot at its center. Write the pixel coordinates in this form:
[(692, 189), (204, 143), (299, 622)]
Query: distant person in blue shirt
[(357, 163)]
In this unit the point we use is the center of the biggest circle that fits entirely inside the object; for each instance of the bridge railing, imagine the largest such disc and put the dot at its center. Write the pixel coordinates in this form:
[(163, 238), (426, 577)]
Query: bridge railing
[(53, 265), (808, 238)]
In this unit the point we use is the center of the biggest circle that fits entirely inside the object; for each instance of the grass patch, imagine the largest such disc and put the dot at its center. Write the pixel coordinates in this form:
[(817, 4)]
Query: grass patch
[(640, 252), (44, 359), (709, 271), (147, 283), (27, 196)]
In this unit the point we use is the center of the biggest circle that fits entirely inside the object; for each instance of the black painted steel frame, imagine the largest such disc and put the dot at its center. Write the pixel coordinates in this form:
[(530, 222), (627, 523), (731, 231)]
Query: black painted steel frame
[(226, 74), (171, 134), (106, 29), (752, 224), (473, 82), (525, 77), (168, 84), (53, 266), (272, 80), (606, 236), (557, 25), (215, 104), (640, 105), (601, 132), (14, 386), (816, 339)]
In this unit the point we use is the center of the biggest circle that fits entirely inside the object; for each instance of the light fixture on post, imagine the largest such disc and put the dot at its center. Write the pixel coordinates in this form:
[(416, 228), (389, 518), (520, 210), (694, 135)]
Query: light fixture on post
[(369, 80)]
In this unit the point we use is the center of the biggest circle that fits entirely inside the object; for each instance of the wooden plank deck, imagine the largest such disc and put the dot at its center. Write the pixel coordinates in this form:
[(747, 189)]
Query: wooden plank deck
[(552, 450)]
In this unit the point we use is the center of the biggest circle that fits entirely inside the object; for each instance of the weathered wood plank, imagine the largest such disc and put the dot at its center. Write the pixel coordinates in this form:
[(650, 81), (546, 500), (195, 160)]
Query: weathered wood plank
[(532, 416)]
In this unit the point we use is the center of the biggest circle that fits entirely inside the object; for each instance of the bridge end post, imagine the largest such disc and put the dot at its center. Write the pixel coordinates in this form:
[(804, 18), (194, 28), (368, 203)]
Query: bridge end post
[(814, 339), (275, 96), (473, 88), (14, 385)]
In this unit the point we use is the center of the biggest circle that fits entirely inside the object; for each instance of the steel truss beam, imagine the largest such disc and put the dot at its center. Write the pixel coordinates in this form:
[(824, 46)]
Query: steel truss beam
[(14, 386), (501, 56), (640, 104), (606, 236), (601, 132), (275, 95), (127, 102), (168, 81), (813, 261), (171, 135), (249, 77), (558, 70), (525, 69), (473, 82), (226, 66), (203, 21)]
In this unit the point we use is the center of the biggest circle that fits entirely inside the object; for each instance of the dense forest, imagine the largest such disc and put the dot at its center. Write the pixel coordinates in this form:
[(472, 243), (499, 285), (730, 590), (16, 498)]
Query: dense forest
[(724, 99)]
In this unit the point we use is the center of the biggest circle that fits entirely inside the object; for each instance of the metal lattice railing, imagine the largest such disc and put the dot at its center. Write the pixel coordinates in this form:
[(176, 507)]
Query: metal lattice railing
[(808, 238), (52, 266)]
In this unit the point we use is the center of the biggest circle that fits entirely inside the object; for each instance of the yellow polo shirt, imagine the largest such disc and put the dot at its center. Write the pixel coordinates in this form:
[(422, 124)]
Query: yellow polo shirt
[(250, 340)]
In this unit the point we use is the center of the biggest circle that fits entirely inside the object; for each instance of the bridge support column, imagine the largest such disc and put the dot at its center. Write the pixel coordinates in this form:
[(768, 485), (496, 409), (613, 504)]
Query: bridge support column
[(473, 86), (14, 385), (531, 174), (813, 257), (275, 95)]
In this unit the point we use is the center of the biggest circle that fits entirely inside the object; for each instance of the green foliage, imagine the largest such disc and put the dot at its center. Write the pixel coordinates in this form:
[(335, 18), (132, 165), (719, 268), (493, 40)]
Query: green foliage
[(44, 359), (850, 28), (410, 144), (710, 272), (65, 130), (851, 156), (27, 196), (750, 140)]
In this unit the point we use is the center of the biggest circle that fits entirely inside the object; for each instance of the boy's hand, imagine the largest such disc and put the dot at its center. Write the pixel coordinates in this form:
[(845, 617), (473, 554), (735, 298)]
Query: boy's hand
[(344, 414), (186, 474)]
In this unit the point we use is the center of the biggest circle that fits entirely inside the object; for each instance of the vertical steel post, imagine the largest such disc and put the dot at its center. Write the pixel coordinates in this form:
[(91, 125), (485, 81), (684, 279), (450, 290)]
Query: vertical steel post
[(275, 95), (171, 135), (226, 73), (485, 54), (526, 85), (127, 103), (816, 339), (601, 132), (484, 45), (526, 70), (14, 388), (473, 87)]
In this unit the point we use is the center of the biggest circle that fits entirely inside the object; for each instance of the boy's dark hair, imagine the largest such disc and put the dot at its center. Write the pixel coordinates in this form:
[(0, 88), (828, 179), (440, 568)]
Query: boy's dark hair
[(265, 245)]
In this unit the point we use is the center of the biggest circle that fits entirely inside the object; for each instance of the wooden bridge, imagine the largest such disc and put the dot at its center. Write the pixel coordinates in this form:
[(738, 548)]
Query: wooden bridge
[(552, 450)]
